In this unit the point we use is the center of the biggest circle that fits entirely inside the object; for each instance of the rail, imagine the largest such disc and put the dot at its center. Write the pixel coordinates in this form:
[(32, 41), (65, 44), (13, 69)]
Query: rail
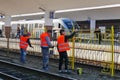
[(37, 71), (5, 76)]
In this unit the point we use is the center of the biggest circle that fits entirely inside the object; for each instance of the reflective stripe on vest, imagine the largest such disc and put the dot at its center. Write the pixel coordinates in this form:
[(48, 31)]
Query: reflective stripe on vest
[(62, 45)]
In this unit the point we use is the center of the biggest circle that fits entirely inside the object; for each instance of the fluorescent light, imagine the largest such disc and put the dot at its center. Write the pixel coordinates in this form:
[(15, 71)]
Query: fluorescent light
[(30, 14), (89, 8), (70, 10)]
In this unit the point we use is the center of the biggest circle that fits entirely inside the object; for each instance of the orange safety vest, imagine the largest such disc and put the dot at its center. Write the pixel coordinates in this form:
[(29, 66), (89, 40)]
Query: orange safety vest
[(62, 45), (43, 40), (23, 42)]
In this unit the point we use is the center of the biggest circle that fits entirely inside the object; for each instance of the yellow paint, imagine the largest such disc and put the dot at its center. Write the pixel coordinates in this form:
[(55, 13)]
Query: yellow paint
[(73, 51), (112, 64)]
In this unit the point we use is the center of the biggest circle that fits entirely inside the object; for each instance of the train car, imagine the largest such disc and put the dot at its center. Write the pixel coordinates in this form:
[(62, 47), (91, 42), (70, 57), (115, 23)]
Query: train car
[(36, 27)]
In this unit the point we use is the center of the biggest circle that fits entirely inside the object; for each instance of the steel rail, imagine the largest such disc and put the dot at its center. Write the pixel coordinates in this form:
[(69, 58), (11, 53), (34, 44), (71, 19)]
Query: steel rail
[(5, 76), (32, 70)]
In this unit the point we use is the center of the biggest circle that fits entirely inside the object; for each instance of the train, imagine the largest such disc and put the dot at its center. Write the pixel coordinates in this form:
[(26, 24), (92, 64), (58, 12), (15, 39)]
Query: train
[(36, 27)]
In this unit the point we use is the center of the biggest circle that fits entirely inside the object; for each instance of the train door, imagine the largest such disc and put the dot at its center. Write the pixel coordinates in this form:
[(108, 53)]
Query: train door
[(25, 28), (38, 29), (31, 30), (13, 30)]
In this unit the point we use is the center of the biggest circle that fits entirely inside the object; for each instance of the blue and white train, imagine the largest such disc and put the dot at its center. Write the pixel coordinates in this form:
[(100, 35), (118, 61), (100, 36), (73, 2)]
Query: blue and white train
[(36, 27)]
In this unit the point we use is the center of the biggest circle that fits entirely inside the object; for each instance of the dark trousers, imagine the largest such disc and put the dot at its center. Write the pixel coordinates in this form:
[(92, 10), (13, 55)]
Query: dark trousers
[(45, 57), (23, 55), (63, 57)]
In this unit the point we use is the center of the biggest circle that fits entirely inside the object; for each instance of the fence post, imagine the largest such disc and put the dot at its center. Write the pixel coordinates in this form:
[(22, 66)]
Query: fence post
[(73, 52), (112, 46)]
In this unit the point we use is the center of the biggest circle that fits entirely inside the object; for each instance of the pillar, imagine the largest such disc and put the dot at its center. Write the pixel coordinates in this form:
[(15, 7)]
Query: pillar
[(7, 26), (92, 25), (7, 30), (49, 16)]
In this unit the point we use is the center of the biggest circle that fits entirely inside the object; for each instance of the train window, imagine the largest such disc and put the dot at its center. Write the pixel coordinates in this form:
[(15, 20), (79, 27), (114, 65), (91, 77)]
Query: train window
[(59, 25), (36, 25), (26, 25), (31, 28), (116, 28), (40, 25), (76, 25), (3, 28), (22, 25), (18, 24)]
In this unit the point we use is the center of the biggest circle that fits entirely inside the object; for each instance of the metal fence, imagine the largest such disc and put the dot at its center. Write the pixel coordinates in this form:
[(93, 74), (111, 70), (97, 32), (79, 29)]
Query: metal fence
[(86, 48)]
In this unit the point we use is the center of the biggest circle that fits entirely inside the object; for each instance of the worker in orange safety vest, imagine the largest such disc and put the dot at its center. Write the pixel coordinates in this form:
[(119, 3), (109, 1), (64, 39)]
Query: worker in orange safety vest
[(24, 42), (45, 45), (63, 46)]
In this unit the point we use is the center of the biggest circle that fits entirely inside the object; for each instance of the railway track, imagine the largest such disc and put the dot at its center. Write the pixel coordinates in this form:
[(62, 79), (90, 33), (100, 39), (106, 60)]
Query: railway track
[(90, 72), (20, 72), (5, 76), (77, 60)]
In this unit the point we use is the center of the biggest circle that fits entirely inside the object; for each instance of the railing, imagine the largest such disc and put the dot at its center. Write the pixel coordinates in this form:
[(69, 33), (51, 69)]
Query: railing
[(88, 48)]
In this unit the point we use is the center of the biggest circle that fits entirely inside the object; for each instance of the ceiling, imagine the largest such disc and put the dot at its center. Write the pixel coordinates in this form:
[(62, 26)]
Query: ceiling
[(14, 7)]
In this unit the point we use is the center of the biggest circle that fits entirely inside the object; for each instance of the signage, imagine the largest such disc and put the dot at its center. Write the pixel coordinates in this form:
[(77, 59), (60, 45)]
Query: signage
[(51, 15)]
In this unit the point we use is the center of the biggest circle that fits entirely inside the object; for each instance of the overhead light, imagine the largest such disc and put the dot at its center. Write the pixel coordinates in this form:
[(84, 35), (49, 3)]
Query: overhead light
[(89, 8), (30, 14)]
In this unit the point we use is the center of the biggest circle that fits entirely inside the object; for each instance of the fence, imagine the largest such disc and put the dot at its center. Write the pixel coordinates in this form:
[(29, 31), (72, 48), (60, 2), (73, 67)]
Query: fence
[(86, 48)]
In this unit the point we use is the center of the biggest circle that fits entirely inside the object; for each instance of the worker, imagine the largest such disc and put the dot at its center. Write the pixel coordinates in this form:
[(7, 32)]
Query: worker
[(45, 45), (63, 46), (18, 33), (24, 42)]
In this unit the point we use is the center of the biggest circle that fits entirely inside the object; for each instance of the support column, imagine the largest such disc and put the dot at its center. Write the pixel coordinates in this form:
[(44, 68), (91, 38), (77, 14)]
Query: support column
[(49, 16), (7, 26), (92, 25), (7, 30)]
